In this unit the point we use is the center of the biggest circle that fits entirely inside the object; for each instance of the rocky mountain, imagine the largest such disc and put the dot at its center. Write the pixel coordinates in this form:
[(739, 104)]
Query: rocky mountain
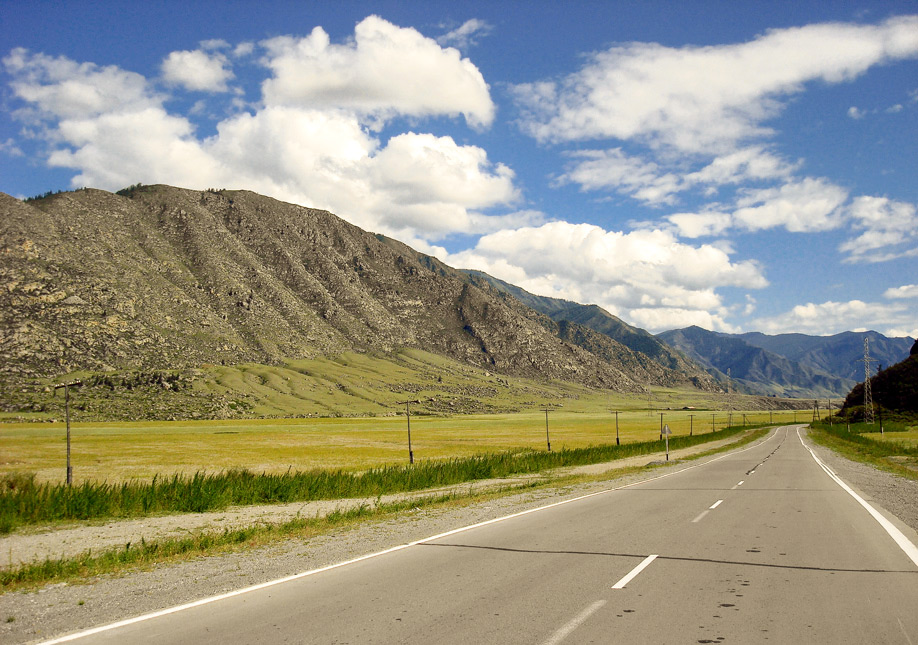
[(654, 354), (752, 369), (156, 277)]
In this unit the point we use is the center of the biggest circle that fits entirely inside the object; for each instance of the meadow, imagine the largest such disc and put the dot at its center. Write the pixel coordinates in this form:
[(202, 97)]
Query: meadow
[(117, 452)]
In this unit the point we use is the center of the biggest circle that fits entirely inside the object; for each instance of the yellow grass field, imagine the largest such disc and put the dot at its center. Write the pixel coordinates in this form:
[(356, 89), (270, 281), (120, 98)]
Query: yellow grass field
[(123, 451)]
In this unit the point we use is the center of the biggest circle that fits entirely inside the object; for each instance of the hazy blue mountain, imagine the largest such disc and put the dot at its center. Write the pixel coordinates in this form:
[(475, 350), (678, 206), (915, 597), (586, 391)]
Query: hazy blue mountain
[(838, 355), (754, 369)]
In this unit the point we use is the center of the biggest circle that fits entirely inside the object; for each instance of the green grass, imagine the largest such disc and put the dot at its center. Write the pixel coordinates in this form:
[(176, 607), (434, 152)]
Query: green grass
[(895, 450), (24, 502)]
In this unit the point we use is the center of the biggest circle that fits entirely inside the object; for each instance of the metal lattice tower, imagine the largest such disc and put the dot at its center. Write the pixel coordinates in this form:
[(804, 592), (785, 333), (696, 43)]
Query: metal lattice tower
[(868, 395)]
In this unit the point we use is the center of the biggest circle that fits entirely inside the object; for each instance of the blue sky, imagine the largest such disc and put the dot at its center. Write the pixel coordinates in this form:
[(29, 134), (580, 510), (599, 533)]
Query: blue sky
[(742, 166)]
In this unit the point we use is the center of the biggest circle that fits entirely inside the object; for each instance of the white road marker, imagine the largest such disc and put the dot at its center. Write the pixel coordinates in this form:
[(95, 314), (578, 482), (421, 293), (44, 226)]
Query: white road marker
[(716, 504), (904, 543), (636, 570), (563, 633), (700, 517)]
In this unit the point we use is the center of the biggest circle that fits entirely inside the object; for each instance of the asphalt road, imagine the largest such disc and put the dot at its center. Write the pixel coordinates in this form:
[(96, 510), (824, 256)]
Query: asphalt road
[(758, 545)]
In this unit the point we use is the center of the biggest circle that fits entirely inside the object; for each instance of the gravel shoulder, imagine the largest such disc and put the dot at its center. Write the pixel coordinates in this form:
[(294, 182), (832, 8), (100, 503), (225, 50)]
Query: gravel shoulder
[(64, 608)]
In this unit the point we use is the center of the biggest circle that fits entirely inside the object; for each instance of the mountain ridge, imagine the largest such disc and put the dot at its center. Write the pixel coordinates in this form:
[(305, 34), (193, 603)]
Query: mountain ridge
[(161, 277)]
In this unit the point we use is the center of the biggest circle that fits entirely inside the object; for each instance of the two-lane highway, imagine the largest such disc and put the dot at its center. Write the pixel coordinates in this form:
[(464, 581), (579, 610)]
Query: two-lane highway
[(758, 545)]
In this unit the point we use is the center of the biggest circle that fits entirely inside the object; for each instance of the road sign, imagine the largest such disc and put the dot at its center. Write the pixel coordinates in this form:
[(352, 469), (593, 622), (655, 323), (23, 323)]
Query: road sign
[(666, 433)]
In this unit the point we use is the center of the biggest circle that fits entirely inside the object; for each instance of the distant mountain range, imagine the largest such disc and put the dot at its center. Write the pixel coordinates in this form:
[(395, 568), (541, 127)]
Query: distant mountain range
[(794, 365)]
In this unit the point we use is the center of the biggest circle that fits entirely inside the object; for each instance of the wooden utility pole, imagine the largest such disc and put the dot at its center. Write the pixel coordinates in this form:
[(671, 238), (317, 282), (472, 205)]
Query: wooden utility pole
[(408, 416), (546, 409), (617, 440), (67, 387)]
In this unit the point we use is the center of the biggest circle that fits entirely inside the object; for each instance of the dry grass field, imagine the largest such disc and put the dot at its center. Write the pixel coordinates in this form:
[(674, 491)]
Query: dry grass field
[(125, 451)]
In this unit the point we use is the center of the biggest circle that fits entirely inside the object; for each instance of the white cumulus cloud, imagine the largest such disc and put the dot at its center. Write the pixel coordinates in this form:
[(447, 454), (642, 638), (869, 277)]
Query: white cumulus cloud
[(905, 291), (630, 274), (384, 71), (835, 317), (197, 70), (890, 229), (699, 99), (799, 206), (114, 130), (59, 88)]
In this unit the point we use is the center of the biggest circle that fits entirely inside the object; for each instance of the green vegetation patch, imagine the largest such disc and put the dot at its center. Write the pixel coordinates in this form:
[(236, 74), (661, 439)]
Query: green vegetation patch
[(896, 450)]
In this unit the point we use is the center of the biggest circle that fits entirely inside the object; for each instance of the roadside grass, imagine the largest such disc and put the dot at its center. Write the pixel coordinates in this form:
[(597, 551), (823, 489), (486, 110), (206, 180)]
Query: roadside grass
[(895, 451), (23, 501), (134, 556)]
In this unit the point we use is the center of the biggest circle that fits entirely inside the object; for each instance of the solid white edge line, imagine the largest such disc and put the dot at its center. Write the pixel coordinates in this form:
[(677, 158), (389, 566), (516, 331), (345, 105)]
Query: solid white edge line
[(904, 543), (297, 576), (716, 504), (576, 622), (636, 570)]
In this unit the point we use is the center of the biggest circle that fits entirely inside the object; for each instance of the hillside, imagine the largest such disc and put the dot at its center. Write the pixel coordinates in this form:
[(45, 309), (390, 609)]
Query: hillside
[(161, 278), (653, 354), (753, 369), (894, 389)]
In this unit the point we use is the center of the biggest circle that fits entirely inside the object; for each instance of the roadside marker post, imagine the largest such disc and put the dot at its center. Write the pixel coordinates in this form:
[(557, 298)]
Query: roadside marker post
[(617, 440), (666, 433)]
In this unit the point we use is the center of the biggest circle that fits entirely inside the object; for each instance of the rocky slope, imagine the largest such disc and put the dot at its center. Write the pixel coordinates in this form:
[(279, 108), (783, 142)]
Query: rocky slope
[(157, 277)]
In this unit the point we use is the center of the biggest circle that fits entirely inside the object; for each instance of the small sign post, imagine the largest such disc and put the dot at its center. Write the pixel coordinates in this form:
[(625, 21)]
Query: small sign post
[(666, 433)]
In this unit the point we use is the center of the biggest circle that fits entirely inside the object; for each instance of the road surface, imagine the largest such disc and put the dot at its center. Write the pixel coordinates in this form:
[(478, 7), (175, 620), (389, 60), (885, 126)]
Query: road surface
[(760, 545)]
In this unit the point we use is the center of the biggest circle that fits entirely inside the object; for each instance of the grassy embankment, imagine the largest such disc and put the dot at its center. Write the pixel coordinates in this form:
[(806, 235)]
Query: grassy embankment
[(894, 450)]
